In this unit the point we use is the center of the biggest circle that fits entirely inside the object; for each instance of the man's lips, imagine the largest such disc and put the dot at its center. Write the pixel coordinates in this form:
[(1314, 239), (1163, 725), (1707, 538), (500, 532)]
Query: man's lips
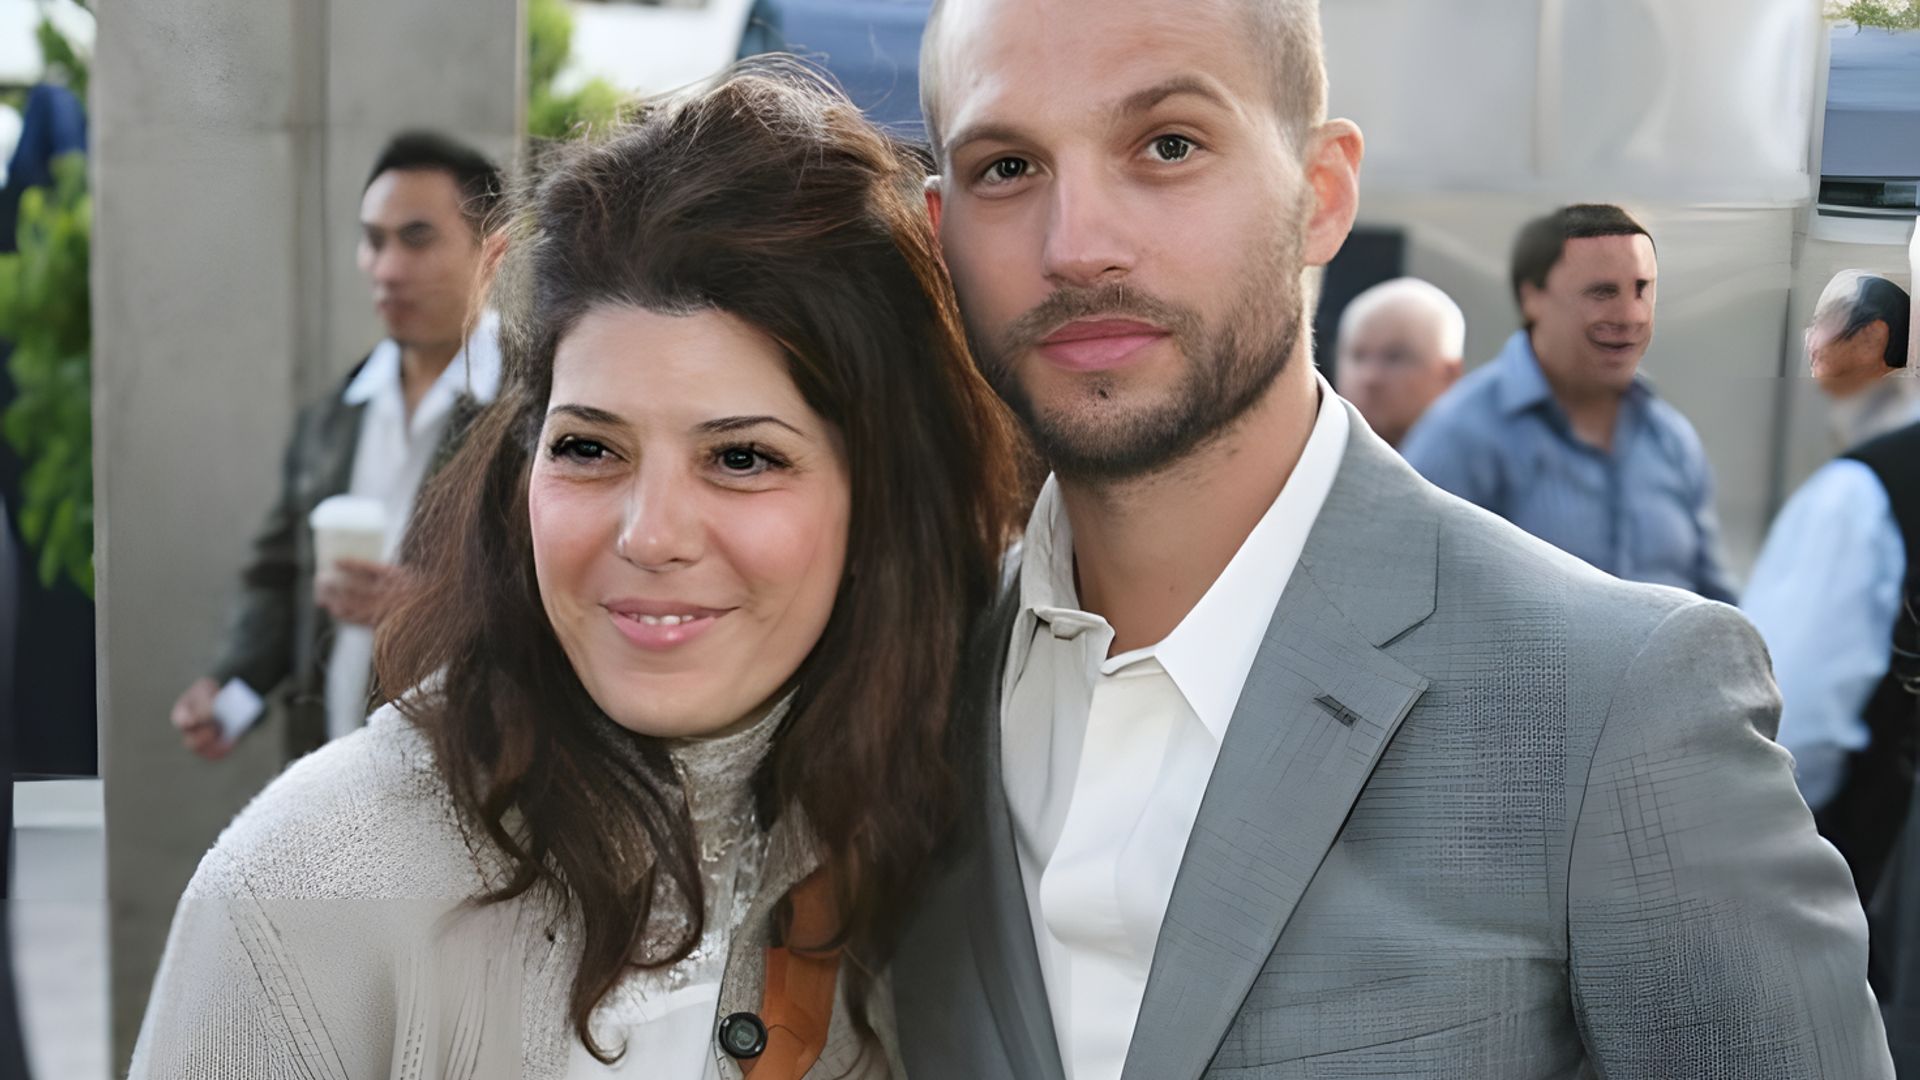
[(1098, 344)]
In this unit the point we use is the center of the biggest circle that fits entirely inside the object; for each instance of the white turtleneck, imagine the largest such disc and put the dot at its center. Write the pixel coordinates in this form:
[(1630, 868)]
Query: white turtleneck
[(665, 1017)]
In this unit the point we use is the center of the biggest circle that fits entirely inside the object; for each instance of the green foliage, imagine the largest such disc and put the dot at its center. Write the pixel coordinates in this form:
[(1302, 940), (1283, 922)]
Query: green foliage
[(553, 115), (45, 312), (64, 62), (1885, 14)]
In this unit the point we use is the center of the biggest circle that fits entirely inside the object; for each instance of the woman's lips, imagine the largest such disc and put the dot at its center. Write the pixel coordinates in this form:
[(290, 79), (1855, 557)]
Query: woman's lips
[(1098, 344), (658, 626)]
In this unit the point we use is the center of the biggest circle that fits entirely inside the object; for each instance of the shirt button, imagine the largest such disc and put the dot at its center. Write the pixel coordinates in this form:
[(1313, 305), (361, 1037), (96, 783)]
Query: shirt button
[(743, 1036)]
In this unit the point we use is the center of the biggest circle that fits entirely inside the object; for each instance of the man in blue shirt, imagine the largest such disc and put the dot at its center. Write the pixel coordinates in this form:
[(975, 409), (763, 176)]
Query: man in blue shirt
[(1561, 435)]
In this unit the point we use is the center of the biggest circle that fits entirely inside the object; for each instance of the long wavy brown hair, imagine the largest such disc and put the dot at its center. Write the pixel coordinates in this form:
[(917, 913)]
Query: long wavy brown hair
[(768, 197)]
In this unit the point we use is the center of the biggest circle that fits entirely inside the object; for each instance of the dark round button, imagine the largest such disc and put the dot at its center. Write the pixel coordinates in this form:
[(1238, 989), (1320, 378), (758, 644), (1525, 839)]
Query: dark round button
[(742, 1035)]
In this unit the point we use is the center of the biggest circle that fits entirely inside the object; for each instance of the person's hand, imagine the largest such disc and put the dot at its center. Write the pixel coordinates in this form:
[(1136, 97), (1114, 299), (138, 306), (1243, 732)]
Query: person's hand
[(193, 718), (356, 591)]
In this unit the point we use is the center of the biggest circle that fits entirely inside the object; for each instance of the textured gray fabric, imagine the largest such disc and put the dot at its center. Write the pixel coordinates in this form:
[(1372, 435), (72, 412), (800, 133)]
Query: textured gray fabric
[(1894, 918), (1536, 828)]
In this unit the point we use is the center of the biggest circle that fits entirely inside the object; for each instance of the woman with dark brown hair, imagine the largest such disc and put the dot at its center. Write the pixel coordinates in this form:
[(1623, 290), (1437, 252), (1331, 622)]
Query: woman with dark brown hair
[(690, 608)]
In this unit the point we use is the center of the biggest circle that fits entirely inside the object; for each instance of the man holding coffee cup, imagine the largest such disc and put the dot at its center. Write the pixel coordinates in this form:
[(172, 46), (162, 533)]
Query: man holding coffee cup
[(323, 568)]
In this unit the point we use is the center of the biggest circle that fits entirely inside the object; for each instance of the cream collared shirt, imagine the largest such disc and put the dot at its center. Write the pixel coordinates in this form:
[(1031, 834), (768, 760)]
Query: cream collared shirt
[(1105, 759), (390, 461)]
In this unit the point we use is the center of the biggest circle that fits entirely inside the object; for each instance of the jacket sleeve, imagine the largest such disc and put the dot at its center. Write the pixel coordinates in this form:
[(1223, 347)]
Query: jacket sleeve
[(1711, 931), (259, 644)]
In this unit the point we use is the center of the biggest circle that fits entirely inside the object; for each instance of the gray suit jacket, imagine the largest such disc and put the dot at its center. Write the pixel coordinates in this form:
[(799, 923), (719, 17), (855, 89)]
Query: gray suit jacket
[(1482, 812)]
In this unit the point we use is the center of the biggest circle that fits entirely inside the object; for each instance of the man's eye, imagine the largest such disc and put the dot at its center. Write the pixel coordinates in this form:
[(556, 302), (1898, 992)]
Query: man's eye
[(1006, 170), (1172, 147)]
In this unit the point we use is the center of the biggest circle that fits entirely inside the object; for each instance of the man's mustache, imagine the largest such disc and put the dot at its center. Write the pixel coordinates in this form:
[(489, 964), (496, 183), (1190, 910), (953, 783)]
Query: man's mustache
[(1072, 303)]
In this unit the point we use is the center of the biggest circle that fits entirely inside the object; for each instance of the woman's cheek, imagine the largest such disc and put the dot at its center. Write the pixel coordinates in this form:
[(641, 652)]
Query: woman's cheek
[(795, 548), (562, 523)]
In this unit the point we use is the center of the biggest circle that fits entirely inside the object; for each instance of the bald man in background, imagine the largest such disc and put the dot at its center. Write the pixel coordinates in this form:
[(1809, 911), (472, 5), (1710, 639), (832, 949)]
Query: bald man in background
[(1402, 344), (1856, 341)]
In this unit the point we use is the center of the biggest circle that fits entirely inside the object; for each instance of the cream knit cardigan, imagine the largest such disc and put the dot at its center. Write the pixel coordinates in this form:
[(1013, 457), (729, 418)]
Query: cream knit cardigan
[(326, 937)]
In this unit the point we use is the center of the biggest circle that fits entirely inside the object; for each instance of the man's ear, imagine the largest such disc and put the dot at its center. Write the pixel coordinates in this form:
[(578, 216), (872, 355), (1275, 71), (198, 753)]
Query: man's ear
[(934, 200), (1532, 298), (1333, 172), (493, 252), (1873, 338)]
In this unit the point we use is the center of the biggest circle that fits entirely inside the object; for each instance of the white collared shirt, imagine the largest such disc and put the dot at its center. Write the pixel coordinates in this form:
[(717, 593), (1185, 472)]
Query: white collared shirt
[(390, 461), (1105, 760)]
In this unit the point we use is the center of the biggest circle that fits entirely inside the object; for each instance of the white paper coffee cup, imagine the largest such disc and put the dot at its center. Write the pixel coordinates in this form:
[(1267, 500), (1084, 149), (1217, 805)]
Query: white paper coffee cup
[(348, 527)]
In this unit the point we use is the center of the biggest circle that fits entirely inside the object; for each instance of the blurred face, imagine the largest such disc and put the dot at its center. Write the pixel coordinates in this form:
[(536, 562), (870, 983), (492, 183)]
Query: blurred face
[(421, 256), (1391, 366), (1845, 366), (1126, 221), (1594, 320), (689, 515)]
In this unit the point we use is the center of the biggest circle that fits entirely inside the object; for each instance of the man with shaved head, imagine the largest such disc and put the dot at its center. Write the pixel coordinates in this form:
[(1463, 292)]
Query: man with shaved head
[(1402, 343), (1289, 763)]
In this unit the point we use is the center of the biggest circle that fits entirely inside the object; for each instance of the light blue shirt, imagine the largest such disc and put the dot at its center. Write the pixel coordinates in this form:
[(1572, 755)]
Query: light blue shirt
[(1825, 595), (1641, 511)]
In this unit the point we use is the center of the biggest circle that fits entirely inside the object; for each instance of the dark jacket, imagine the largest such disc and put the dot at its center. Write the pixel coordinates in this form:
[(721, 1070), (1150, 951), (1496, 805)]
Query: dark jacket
[(278, 639)]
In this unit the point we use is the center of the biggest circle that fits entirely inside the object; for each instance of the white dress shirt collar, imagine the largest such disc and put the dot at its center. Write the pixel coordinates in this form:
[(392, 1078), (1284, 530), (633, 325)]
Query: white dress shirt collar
[(1209, 654), (475, 370)]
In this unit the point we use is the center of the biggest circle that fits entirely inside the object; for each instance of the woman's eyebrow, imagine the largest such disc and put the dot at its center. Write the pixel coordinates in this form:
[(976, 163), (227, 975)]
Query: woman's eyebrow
[(587, 413), (727, 424)]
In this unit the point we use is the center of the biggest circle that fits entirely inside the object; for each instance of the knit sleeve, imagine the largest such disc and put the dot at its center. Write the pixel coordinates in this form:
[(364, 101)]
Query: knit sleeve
[(228, 1001)]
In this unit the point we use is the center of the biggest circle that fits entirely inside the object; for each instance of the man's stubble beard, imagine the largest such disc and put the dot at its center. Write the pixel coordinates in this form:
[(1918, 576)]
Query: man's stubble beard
[(1226, 372)]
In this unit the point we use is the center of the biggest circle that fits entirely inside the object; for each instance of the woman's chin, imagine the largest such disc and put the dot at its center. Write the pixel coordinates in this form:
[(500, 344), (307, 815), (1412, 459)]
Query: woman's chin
[(678, 711)]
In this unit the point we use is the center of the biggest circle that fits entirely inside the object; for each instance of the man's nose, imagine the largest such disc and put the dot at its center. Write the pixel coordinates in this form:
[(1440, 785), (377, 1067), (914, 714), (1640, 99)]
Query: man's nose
[(1085, 238)]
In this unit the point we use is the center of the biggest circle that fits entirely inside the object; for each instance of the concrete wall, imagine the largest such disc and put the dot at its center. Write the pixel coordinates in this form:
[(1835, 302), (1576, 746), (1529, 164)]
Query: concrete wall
[(230, 143)]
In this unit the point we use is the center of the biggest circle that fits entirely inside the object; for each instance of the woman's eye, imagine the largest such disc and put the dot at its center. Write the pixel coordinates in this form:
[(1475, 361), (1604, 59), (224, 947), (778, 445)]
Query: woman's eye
[(744, 461), (573, 448), (1172, 147), (1006, 170)]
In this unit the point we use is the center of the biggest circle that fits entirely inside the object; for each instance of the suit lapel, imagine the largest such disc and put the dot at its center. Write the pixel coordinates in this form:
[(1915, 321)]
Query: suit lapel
[(1318, 709), (1002, 928)]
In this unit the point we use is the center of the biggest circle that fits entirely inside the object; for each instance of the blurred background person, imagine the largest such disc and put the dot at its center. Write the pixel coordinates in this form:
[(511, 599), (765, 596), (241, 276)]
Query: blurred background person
[(1402, 344), (1561, 435), (13, 1061), (424, 216), (53, 697), (1828, 589), (1855, 342)]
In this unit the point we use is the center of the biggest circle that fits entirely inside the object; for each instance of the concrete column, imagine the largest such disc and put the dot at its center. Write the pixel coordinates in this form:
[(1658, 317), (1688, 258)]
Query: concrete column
[(230, 142)]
